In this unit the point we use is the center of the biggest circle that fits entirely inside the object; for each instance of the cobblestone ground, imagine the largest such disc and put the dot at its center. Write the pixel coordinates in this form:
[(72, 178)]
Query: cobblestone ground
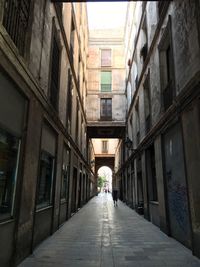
[(106, 236)]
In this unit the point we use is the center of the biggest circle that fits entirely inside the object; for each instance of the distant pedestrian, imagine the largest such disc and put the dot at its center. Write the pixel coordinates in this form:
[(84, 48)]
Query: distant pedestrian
[(115, 196)]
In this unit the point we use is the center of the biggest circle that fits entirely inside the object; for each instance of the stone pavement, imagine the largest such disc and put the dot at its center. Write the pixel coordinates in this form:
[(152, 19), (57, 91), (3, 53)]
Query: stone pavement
[(106, 236)]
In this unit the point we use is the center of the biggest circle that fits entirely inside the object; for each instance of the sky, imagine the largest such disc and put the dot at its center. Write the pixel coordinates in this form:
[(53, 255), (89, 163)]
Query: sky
[(106, 15)]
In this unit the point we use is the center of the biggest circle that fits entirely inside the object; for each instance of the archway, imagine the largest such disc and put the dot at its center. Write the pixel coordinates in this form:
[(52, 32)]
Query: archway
[(105, 176)]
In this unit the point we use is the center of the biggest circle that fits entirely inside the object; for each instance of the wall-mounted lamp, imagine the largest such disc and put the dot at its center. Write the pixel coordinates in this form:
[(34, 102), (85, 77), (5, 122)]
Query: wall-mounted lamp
[(92, 162), (128, 143)]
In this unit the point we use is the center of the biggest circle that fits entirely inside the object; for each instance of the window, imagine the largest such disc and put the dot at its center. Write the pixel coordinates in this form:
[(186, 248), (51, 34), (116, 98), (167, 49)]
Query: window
[(69, 101), (55, 73), (106, 108), (104, 148), (65, 174), (166, 68), (106, 57), (147, 104), (77, 122), (72, 37), (45, 182), (137, 122), (9, 155), (106, 81), (15, 21)]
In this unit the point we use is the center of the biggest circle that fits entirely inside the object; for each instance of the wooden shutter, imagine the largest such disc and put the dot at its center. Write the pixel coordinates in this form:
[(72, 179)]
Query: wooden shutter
[(106, 80)]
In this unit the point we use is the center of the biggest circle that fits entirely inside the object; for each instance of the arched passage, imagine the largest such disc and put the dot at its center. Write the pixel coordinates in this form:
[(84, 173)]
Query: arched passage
[(107, 174), (102, 162)]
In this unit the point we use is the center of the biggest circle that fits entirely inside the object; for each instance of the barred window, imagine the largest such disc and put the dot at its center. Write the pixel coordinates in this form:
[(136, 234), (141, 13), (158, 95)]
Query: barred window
[(105, 57), (106, 81), (15, 21)]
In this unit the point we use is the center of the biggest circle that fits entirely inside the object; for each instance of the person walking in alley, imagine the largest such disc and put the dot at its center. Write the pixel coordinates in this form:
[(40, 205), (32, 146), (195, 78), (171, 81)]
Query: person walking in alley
[(115, 196)]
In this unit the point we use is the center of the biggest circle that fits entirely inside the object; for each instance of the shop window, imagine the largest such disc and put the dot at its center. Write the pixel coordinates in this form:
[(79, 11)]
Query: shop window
[(106, 57), (15, 20), (9, 155), (45, 182), (65, 174), (106, 81), (106, 109)]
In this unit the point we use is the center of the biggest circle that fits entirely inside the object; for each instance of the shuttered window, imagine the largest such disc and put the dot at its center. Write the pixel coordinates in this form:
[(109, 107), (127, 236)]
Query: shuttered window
[(104, 148), (106, 81), (106, 57), (106, 109)]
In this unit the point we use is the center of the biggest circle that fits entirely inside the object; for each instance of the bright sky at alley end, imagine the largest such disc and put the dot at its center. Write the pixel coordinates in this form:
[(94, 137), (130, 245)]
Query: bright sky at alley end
[(106, 15)]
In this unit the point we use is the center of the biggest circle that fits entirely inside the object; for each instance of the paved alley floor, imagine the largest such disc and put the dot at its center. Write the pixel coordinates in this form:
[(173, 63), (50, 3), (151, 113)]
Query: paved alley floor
[(106, 236)]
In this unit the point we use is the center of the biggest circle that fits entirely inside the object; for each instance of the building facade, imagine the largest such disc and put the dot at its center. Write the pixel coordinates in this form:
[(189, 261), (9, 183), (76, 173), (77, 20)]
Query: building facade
[(158, 159), (45, 174)]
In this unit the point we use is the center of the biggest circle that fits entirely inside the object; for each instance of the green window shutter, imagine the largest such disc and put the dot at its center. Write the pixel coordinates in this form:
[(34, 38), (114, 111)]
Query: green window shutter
[(106, 81)]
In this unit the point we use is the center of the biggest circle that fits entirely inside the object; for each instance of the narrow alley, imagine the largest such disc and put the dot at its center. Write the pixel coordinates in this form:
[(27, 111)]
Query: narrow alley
[(99, 98), (107, 236)]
